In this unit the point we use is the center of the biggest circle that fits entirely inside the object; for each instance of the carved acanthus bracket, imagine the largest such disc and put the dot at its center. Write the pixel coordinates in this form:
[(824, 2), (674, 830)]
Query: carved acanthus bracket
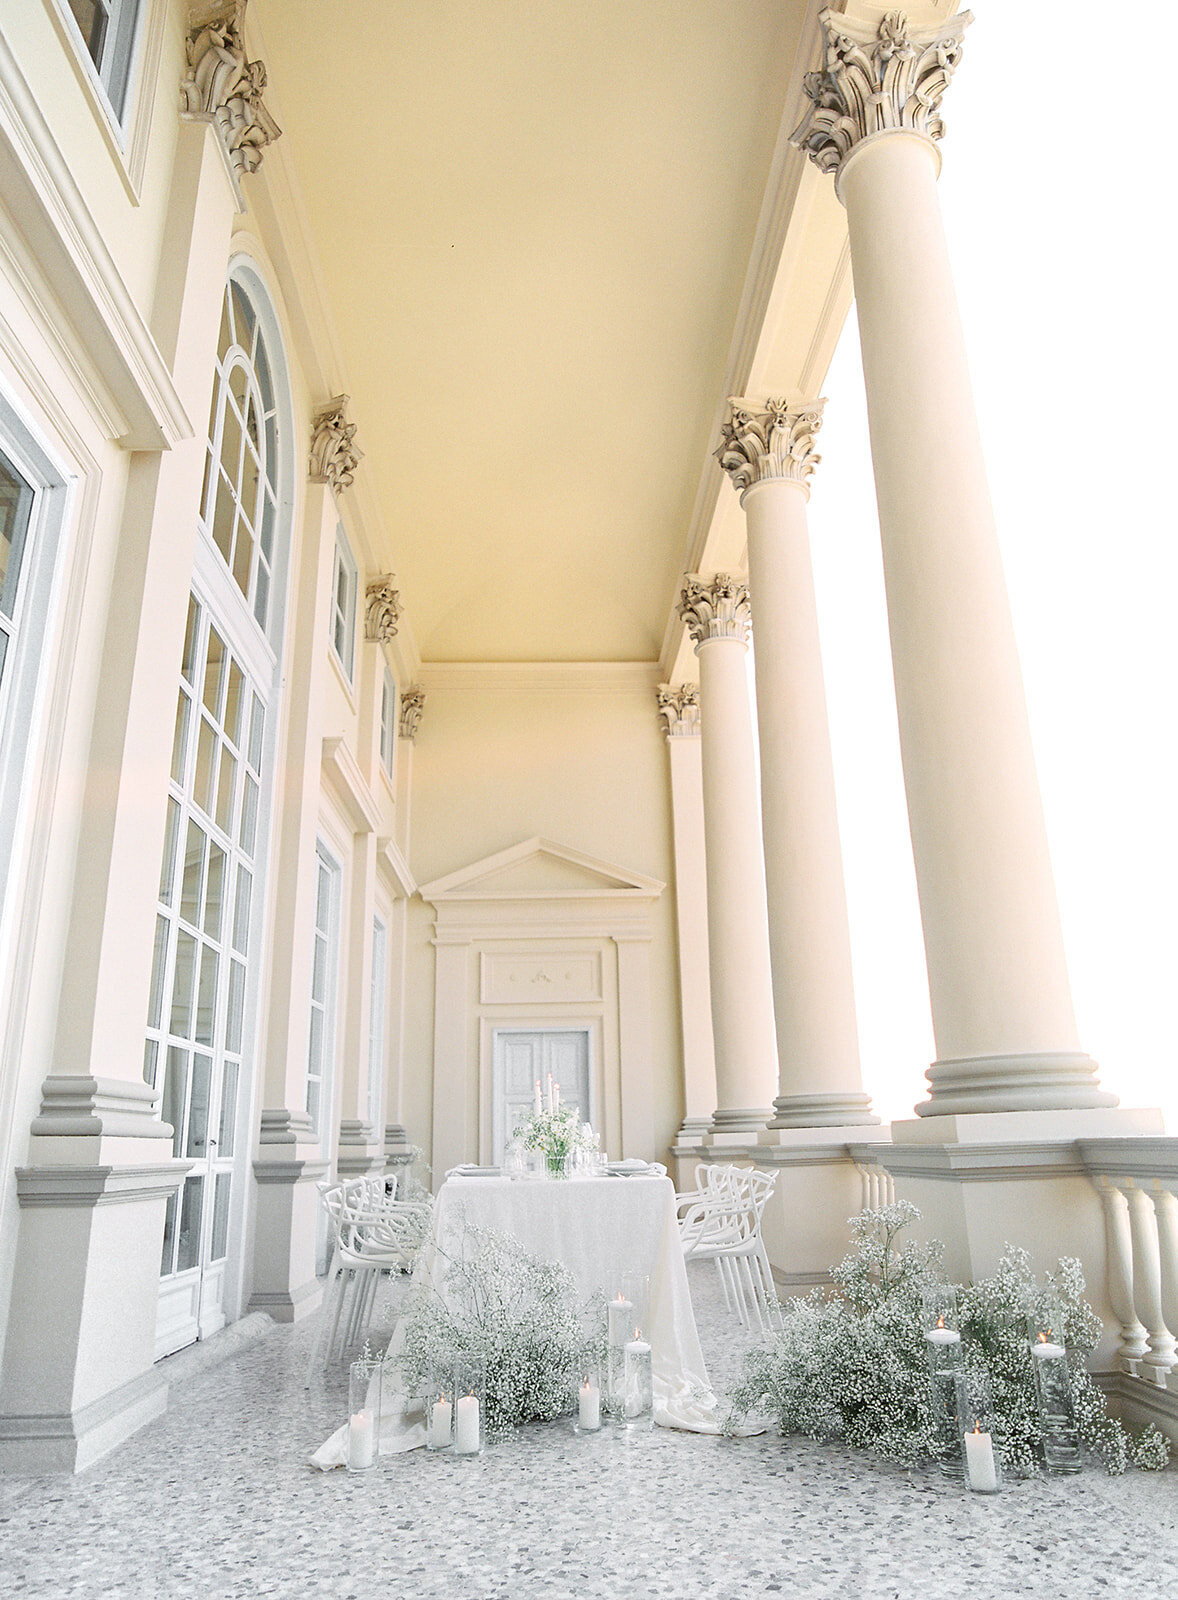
[(679, 709), (412, 705), (382, 610), (334, 455), (222, 85), (877, 79), (770, 440), (715, 610)]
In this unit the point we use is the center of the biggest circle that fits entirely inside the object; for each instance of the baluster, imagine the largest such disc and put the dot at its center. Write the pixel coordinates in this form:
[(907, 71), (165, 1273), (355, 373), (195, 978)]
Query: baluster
[(1147, 1286), (1166, 1206), (1119, 1271)]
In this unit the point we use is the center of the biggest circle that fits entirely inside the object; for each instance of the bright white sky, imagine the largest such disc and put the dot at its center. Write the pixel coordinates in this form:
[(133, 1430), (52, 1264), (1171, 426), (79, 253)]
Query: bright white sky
[(1054, 191)]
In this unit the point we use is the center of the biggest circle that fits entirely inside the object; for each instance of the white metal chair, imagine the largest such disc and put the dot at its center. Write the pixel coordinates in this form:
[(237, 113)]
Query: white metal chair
[(722, 1223)]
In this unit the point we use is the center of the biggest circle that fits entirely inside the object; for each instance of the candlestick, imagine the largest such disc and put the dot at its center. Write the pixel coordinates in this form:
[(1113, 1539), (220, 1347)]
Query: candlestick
[(539, 1106), (466, 1426)]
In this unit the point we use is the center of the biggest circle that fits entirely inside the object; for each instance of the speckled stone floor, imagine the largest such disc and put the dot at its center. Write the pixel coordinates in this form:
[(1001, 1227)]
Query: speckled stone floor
[(215, 1501)]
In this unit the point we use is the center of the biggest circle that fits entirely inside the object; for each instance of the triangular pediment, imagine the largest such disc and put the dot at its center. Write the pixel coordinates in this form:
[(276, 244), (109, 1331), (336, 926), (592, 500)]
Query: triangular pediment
[(537, 869)]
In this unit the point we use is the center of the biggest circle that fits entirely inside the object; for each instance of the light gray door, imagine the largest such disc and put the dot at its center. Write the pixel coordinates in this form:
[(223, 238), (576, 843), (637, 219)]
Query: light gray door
[(524, 1058)]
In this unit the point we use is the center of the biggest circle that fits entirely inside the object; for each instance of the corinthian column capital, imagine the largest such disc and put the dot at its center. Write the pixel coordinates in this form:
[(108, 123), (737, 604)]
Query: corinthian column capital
[(770, 439), (334, 452), (718, 609), (679, 709), (382, 609), (877, 78), (222, 86)]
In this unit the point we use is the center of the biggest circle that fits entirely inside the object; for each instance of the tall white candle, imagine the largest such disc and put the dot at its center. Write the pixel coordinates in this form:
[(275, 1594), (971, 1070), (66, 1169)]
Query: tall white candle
[(361, 1441), (539, 1105), (440, 1423), (619, 1320), (589, 1406), (466, 1426), (979, 1460)]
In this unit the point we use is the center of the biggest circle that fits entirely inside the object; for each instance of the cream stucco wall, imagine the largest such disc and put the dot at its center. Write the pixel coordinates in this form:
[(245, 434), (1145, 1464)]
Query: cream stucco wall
[(585, 768)]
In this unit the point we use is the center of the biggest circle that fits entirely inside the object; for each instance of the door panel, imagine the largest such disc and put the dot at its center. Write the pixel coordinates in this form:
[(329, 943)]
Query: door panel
[(522, 1059)]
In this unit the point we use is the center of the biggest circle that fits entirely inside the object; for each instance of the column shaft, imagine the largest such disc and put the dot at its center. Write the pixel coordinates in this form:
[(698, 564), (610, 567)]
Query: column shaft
[(813, 991), (691, 908), (738, 929)]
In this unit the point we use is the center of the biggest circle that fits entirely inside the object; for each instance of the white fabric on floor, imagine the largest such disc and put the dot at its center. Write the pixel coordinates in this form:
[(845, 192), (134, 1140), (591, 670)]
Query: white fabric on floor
[(599, 1228)]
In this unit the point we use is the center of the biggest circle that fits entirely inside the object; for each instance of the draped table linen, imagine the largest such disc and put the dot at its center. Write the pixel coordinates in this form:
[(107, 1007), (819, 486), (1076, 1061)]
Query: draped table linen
[(598, 1228)]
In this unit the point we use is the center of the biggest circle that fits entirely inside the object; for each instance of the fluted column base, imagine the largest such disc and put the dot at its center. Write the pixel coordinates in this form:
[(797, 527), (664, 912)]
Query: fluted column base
[(739, 1120), (834, 1110), (1045, 1081)]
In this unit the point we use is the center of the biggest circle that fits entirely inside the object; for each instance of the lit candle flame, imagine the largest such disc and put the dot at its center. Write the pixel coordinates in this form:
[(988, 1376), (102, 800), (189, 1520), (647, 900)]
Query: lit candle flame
[(1043, 1337), (940, 1322), (976, 1426)]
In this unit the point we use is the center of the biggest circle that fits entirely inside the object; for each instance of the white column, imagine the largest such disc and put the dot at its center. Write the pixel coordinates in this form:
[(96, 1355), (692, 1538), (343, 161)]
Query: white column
[(679, 708), (768, 452), (1002, 1010), (716, 615)]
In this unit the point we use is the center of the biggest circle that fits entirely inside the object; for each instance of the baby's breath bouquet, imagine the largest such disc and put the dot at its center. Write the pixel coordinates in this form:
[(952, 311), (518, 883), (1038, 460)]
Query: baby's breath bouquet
[(556, 1133), (520, 1316), (849, 1363)]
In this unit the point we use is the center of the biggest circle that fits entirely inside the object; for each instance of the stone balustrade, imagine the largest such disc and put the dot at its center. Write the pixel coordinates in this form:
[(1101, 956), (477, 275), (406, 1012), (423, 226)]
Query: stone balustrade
[(1137, 1180)]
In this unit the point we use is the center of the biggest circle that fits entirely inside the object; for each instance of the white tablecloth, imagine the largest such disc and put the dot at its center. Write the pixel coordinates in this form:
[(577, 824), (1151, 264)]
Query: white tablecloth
[(599, 1228)]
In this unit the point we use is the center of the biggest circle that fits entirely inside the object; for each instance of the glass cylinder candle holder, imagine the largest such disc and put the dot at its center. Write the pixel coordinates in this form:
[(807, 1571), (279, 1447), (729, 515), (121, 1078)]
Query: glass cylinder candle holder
[(637, 1409), (438, 1399), (587, 1399), (470, 1408), (939, 1317), (628, 1309), (983, 1466), (946, 1364), (364, 1386), (1053, 1387)]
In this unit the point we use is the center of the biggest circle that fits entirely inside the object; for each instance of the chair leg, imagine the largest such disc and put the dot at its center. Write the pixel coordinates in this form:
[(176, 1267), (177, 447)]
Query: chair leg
[(723, 1285), (332, 1305)]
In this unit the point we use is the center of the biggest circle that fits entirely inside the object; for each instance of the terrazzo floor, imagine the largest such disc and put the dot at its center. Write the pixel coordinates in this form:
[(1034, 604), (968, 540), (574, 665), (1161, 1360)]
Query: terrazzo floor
[(215, 1501)]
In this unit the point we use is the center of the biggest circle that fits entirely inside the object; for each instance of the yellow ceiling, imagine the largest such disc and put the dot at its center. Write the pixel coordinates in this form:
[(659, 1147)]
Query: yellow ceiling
[(533, 220)]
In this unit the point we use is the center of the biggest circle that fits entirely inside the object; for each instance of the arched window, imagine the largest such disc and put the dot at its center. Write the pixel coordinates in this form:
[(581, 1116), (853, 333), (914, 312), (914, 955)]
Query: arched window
[(239, 505)]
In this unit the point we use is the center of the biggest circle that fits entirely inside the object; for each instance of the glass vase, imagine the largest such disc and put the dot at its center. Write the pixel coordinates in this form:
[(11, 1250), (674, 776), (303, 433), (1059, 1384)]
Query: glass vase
[(470, 1407), (946, 1364), (557, 1165), (637, 1409), (1053, 1387), (364, 1386), (983, 1465)]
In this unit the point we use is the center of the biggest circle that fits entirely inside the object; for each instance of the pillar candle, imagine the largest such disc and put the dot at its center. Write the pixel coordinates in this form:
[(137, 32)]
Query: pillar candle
[(979, 1460), (619, 1320), (440, 1423), (361, 1441), (466, 1426), (589, 1406)]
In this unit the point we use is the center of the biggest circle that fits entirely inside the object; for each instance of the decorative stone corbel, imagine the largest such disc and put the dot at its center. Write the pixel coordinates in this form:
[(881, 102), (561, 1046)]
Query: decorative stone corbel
[(334, 455), (679, 709), (877, 78), (382, 610), (222, 86), (773, 439), (412, 705), (718, 609)]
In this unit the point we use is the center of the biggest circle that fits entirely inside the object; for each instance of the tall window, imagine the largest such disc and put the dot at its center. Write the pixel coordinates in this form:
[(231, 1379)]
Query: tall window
[(321, 1035), (388, 721), (343, 604), (376, 1021), (239, 505), (16, 510), (107, 29)]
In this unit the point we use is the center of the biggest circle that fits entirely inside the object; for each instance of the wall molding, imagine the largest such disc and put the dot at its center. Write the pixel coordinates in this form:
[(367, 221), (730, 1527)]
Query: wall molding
[(541, 677), (78, 1187)]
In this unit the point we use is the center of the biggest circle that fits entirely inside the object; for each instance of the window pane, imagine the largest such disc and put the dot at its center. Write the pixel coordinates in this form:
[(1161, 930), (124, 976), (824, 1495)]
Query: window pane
[(155, 1004), (190, 1213), (151, 1057), (181, 1024), (191, 634), (249, 815), (91, 19), (231, 433), (202, 787), (214, 891), (233, 703), (175, 1092), (194, 862), (315, 1043), (261, 595), (243, 315), (242, 556), (225, 785), (198, 1106), (256, 728), (215, 654), (241, 910), (3, 652), (236, 1007), (206, 999), (16, 504), (166, 1265), (180, 738), (220, 1216), (313, 1103), (238, 381), (319, 971), (223, 517), (227, 1130), (168, 865)]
